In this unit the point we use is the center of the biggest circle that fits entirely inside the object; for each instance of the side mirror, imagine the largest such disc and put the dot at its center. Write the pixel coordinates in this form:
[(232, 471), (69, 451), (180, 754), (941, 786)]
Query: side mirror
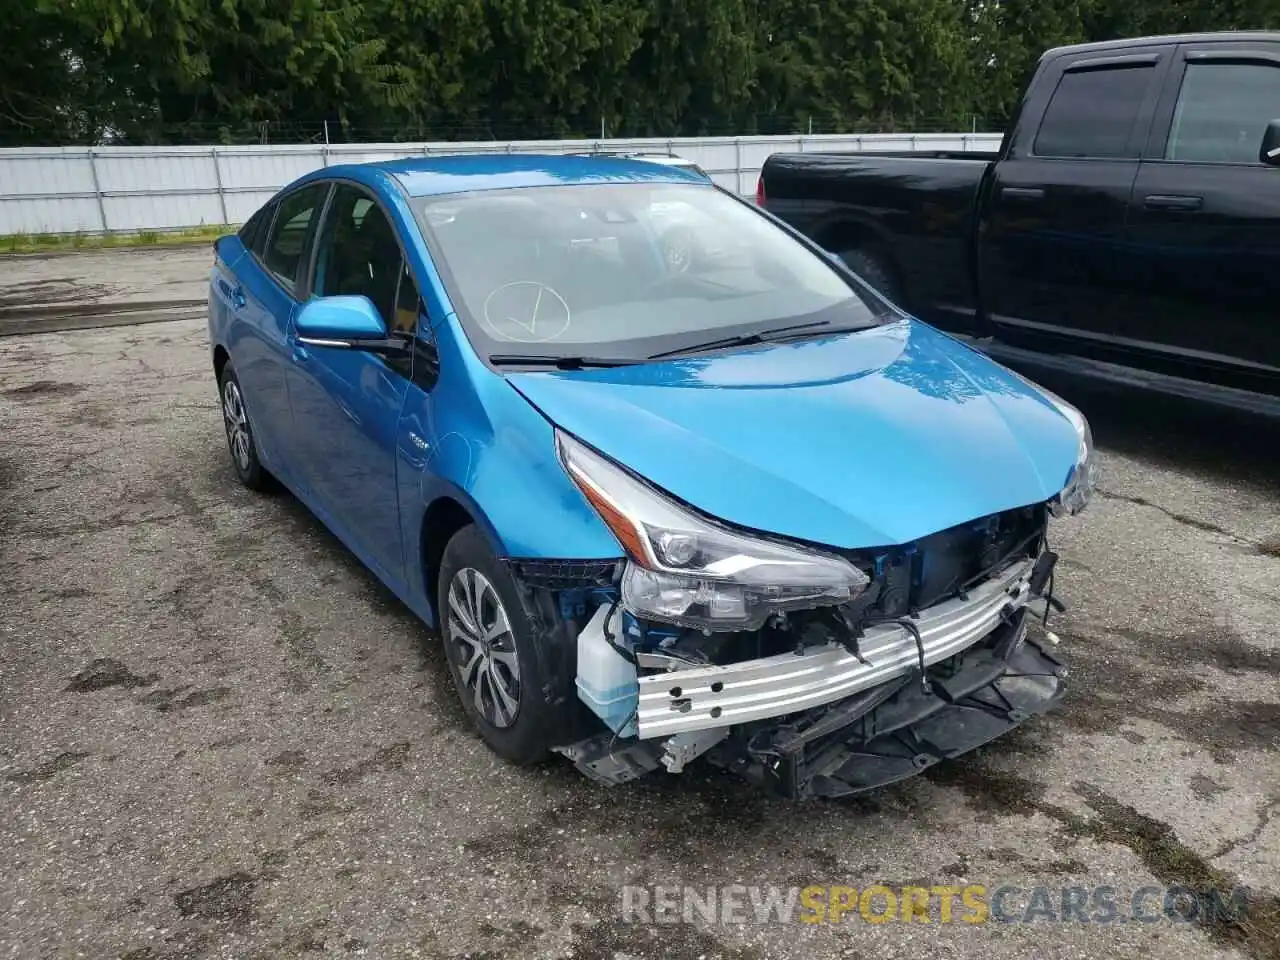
[(345, 322), (1269, 152)]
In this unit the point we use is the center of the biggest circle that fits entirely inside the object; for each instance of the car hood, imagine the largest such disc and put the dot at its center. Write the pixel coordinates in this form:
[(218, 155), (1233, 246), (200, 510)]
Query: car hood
[(865, 439)]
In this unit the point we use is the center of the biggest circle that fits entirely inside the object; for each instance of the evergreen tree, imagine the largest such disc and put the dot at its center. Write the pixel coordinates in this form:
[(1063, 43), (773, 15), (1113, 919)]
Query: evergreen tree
[(84, 71)]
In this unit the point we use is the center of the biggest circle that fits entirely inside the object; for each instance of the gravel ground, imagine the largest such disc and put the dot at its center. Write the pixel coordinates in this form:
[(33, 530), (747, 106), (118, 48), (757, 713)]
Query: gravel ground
[(95, 278), (100, 288), (221, 737)]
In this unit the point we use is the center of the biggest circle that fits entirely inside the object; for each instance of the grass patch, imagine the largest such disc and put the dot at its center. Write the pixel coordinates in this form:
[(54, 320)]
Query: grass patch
[(53, 242)]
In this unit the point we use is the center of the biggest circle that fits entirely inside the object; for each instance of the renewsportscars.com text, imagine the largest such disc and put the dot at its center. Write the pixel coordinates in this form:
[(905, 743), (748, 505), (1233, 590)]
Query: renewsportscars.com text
[(941, 903)]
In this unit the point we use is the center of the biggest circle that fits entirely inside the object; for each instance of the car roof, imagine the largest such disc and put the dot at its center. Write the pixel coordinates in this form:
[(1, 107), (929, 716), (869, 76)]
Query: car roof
[(670, 159), (433, 176), (1130, 43)]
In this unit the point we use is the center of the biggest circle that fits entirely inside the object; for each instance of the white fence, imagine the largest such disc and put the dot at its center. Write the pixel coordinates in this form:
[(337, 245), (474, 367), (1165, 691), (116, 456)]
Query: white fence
[(100, 189)]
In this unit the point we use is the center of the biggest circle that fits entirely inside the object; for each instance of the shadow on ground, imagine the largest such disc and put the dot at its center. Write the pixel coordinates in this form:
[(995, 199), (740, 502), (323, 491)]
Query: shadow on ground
[(1172, 432)]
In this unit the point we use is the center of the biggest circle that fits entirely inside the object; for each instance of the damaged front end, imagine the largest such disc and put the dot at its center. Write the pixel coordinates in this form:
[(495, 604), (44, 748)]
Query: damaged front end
[(812, 706), (810, 673), (901, 727)]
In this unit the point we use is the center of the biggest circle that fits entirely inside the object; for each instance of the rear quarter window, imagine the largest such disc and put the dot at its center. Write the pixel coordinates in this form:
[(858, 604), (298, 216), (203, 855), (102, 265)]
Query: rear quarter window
[(254, 232)]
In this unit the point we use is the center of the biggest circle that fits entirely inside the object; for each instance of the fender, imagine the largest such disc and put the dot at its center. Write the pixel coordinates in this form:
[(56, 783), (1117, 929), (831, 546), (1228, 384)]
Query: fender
[(851, 221), (870, 227), (464, 442)]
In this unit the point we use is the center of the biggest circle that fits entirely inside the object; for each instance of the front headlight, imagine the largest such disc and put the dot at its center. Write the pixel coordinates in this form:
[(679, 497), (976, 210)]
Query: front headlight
[(1083, 478), (690, 571)]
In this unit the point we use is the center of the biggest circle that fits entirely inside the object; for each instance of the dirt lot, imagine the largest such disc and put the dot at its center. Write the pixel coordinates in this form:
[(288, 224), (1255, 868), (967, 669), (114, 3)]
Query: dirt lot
[(220, 737), (103, 288)]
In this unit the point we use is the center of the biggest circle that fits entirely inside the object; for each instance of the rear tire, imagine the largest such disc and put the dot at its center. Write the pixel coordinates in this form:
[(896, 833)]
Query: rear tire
[(876, 271), (492, 652), (240, 439)]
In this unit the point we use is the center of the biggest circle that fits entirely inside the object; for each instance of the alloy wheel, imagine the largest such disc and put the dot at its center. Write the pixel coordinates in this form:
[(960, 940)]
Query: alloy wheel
[(483, 647), (237, 423)]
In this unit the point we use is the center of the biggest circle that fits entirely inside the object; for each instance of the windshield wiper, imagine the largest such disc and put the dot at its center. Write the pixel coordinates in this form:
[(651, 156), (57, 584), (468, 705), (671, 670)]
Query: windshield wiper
[(815, 327), (560, 363), (833, 329)]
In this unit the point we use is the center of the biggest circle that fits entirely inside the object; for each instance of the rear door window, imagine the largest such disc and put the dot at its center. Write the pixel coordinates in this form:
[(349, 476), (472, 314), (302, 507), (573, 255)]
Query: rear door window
[(1222, 112), (288, 243), (1093, 111)]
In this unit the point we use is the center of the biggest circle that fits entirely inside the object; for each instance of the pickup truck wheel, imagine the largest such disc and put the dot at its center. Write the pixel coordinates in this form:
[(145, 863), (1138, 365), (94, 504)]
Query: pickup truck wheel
[(874, 270), (489, 645)]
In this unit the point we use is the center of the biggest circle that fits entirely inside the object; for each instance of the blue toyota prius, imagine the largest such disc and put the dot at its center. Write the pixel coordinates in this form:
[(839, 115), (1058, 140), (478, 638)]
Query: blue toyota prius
[(669, 480)]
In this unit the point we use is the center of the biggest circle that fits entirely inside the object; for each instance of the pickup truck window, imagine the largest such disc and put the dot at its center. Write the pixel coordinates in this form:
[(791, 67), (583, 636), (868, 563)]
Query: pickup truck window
[(1222, 111), (1092, 113)]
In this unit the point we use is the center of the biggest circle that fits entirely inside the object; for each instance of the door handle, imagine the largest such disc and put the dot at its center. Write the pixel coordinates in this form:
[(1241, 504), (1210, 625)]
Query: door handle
[(237, 298), (1160, 201), (1022, 193)]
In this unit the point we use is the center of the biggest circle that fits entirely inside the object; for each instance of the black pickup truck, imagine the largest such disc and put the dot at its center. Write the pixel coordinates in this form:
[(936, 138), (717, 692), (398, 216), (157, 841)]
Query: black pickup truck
[(1128, 228)]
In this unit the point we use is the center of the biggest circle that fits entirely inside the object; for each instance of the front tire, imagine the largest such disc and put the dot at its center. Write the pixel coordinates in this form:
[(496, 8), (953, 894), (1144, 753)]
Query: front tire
[(240, 440), (490, 646)]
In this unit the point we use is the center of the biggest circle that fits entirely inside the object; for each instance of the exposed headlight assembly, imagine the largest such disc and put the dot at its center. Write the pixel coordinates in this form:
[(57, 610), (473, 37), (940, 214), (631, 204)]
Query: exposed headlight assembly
[(691, 571), (1083, 478)]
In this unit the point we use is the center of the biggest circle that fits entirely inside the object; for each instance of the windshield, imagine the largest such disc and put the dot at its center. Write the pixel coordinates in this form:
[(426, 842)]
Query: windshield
[(627, 270)]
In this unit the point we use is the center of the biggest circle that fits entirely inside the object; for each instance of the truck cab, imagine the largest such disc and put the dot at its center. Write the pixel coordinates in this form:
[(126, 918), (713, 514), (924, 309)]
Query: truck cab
[(1131, 218), (1128, 229)]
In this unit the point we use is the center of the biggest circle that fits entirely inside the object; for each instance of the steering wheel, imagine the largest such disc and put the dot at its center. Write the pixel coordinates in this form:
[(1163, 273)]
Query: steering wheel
[(679, 248)]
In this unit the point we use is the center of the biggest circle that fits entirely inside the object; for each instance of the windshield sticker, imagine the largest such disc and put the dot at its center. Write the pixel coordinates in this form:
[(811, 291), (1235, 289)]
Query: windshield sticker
[(525, 311)]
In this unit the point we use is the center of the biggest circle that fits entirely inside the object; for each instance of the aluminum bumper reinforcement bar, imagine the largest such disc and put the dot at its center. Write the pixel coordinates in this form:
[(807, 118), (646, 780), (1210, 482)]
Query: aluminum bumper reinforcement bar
[(720, 696)]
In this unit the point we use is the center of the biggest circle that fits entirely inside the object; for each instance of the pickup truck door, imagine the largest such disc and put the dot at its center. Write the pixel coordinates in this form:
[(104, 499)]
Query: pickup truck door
[(1204, 220), (1051, 260)]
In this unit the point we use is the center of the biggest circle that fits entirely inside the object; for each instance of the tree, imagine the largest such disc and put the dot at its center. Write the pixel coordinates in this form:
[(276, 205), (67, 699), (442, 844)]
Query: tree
[(1109, 19), (867, 64), (231, 70), (1012, 34), (188, 69), (53, 88)]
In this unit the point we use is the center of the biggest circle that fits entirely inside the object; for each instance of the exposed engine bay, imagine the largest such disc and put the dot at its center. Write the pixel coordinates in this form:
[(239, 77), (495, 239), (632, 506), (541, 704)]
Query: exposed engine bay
[(929, 661)]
